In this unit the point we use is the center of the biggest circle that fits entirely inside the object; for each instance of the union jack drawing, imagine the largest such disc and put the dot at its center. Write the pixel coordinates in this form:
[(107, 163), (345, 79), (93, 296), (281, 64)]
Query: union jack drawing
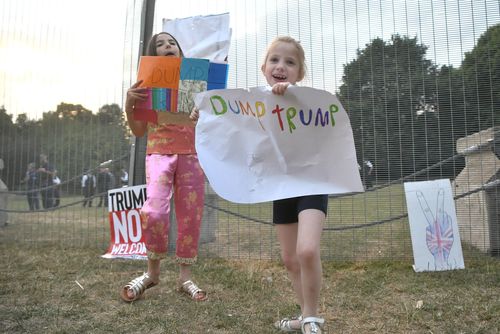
[(439, 231)]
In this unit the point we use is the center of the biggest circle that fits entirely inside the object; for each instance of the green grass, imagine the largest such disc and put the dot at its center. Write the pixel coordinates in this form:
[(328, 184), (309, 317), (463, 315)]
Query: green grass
[(369, 285), (39, 294), (246, 235)]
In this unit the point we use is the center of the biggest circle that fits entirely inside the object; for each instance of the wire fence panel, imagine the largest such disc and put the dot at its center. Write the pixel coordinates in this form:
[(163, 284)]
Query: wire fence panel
[(419, 80)]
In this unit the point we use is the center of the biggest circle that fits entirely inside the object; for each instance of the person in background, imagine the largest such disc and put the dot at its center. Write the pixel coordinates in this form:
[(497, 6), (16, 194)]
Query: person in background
[(57, 193), (46, 179), (88, 188), (172, 168), (31, 181), (4, 217), (105, 182), (124, 177), (367, 174)]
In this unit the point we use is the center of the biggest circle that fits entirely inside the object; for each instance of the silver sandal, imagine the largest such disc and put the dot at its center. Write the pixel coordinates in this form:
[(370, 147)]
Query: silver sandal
[(138, 285), (315, 325), (285, 324), (193, 291)]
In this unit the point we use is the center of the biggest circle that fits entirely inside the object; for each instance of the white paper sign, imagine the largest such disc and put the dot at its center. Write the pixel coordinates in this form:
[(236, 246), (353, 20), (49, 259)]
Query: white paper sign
[(433, 226), (255, 146), (207, 37)]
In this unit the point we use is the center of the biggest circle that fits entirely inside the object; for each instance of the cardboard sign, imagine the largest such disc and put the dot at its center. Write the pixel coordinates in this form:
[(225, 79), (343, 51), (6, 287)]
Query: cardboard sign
[(172, 82), (159, 72), (127, 240)]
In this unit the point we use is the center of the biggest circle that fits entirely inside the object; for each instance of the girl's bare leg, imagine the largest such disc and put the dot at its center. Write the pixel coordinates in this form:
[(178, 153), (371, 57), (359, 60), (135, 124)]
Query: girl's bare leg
[(287, 237), (310, 226)]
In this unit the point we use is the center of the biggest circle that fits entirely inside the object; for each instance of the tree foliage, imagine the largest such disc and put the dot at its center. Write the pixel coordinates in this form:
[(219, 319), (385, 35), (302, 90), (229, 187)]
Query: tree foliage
[(407, 113), (72, 136), (481, 72)]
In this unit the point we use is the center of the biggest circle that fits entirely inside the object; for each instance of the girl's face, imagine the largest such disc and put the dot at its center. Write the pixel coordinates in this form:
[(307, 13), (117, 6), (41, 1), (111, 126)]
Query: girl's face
[(167, 46), (282, 64)]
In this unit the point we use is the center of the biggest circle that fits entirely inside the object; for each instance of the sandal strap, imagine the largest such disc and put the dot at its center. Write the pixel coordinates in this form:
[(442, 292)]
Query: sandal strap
[(285, 324), (315, 323), (138, 284), (191, 288)]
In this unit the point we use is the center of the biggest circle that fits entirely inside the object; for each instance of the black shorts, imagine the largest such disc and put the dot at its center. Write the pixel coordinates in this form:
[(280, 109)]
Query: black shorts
[(286, 211)]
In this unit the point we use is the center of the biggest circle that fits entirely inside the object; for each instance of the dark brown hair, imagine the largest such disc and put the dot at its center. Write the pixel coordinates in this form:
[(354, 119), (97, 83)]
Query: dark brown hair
[(151, 48)]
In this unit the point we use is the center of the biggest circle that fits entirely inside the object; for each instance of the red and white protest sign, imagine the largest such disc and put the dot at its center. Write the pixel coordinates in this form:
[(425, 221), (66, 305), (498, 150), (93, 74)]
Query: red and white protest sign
[(127, 241)]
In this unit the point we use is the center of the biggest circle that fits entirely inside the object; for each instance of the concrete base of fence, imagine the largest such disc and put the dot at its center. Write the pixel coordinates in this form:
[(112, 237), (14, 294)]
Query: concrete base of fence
[(478, 225)]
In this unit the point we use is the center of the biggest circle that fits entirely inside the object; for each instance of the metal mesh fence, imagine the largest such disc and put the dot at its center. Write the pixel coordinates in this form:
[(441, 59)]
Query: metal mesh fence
[(419, 80)]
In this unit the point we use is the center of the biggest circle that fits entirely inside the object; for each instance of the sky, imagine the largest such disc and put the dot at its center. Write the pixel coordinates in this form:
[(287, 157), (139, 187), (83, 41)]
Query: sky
[(85, 52)]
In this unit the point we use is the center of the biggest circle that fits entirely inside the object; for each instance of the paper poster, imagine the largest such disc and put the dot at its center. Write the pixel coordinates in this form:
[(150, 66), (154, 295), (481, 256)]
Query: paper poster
[(171, 83), (206, 36), (255, 146), (127, 240), (433, 225)]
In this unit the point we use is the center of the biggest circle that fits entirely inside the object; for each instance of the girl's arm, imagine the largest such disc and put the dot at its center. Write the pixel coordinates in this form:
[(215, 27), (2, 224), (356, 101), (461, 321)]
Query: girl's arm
[(134, 94), (139, 128)]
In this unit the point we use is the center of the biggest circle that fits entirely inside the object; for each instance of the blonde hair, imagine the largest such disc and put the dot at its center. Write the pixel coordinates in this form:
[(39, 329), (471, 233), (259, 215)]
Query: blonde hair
[(300, 53)]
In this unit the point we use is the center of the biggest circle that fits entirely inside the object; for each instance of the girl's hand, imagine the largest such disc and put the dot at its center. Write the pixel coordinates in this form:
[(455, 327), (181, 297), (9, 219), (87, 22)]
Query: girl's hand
[(195, 114), (134, 94), (279, 88)]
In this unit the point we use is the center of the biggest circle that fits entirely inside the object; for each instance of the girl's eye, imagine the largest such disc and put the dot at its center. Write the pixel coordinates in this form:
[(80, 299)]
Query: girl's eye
[(290, 62), (273, 60)]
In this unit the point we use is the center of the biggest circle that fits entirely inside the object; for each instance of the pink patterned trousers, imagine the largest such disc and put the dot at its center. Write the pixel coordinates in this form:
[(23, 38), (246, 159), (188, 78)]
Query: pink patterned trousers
[(179, 175)]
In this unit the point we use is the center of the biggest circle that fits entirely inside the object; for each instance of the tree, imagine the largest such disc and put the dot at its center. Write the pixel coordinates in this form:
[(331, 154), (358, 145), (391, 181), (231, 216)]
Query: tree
[(73, 137), (406, 112), (481, 73)]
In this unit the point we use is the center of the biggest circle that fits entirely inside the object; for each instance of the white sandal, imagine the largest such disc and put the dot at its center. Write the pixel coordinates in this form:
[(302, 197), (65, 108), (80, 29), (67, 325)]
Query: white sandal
[(138, 286), (193, 291), (315, 324), (285, 324)]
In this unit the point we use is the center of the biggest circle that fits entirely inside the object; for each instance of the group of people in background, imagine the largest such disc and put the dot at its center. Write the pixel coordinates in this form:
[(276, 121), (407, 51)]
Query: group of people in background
[(97, 185), (42, 183)]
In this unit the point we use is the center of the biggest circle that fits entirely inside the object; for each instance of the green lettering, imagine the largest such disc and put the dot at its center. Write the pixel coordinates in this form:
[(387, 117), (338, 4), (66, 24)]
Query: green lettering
[(291, 113), (222, 104), (333, 109)]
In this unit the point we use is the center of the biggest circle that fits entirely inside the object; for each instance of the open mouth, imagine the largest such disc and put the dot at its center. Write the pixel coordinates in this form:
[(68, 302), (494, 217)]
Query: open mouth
[(279, 77), (170, 54)]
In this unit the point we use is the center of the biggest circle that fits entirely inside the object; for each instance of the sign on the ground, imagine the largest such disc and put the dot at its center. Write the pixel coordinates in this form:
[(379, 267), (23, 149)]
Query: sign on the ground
[(127, 240), (433, 226)]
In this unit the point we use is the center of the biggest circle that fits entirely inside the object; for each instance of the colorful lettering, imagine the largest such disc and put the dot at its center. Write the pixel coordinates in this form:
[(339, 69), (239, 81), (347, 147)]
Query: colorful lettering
[(321, 118), (246, 109), (302, 119), (333, 109), (237, 111), (278, 111), (222, 104), (290, 114)]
